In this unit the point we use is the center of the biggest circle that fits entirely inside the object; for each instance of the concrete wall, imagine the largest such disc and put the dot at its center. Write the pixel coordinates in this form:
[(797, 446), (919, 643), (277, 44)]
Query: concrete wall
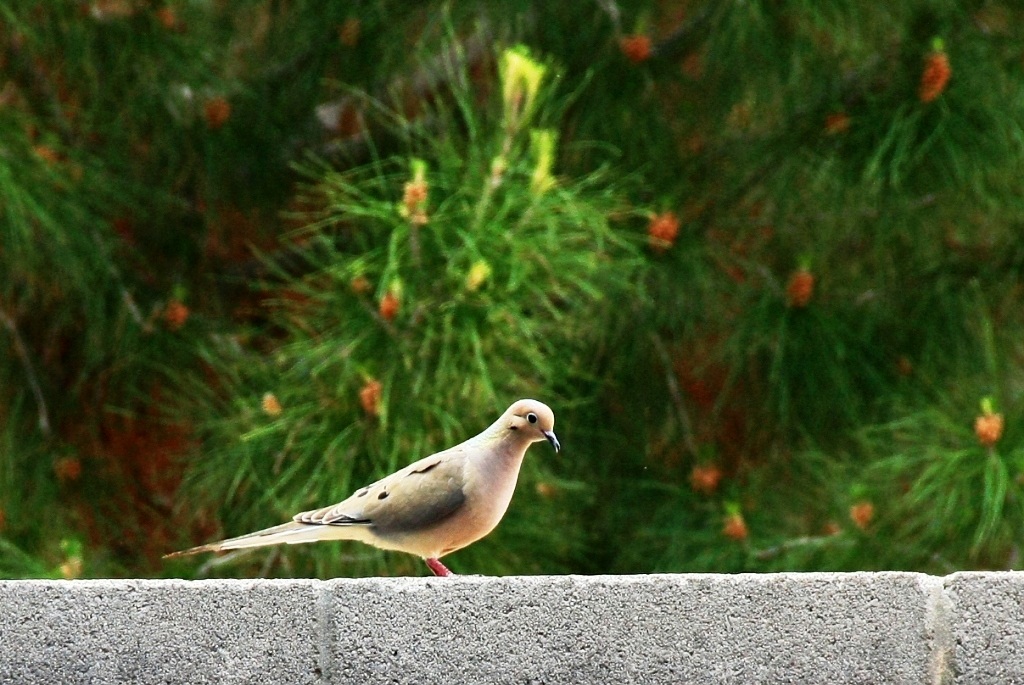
[(785, 628)]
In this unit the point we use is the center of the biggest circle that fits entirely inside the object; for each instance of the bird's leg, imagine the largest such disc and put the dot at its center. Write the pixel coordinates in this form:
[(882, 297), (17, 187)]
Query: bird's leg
[(438, 568)]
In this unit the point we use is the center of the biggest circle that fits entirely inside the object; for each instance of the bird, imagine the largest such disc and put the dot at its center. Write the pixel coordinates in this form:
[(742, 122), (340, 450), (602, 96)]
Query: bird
[(430, 508)]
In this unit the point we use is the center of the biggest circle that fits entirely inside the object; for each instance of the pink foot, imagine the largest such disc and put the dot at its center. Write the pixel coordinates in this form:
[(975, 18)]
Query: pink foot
[(438, 568)]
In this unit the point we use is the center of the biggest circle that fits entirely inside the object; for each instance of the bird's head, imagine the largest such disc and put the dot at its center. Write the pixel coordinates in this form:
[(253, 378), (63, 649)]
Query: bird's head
[(531, 420)]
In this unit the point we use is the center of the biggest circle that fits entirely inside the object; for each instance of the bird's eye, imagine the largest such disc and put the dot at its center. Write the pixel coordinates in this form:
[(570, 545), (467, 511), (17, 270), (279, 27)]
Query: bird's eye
[(531, 417)]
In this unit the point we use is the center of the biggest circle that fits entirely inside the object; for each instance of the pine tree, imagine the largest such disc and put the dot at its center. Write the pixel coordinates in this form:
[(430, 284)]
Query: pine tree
[(760, 257)]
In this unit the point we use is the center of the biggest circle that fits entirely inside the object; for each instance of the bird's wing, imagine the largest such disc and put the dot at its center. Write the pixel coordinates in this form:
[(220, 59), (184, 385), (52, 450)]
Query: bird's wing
[(416, 497)]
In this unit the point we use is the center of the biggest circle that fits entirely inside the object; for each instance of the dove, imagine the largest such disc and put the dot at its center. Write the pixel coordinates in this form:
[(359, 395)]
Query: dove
[(430, 508)]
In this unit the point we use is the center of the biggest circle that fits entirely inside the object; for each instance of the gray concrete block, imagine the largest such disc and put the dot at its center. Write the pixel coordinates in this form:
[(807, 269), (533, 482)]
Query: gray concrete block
[(987, 620), (773, 628), (160, 632), (785, 628)]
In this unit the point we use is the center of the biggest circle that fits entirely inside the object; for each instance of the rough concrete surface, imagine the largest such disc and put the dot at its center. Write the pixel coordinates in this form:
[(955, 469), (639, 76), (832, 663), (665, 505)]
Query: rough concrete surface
[(987, 619), (855, 628), (772, 628), (159, 632)]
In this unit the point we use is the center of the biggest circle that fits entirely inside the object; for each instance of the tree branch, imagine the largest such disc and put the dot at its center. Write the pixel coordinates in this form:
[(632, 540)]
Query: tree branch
[(33, 382)]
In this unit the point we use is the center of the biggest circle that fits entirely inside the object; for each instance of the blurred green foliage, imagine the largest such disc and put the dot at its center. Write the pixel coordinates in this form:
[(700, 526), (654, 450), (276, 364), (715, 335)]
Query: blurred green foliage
[(254, 254)]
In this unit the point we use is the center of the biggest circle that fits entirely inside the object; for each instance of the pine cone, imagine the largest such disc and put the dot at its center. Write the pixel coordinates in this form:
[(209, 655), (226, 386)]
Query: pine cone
[(800, 288), (67, 469), (636, 48), (217, 112), (360, 285), (705, 478), (271, 405), (348, 32), (478, 275), (836, 123), (414, 201), (862, 513), (935, 76), (369, 397), (48, 154), (175, 314), (389, 306), (989, 428), (662, 231), (167, 18), (735, 527), (71, 568), (546, 490)]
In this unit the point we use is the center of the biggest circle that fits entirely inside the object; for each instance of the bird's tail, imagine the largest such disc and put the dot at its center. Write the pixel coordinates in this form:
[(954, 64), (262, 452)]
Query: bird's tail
[(292, 532)]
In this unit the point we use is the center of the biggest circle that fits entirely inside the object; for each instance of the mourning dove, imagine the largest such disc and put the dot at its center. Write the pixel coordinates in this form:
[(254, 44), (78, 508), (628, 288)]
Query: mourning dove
[(433, 506)]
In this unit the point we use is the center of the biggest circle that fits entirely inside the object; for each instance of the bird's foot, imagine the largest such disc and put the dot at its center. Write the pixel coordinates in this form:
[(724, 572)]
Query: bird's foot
[(438, 568)]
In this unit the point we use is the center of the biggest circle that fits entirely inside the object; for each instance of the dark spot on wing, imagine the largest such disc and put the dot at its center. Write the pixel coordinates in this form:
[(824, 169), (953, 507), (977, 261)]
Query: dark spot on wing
[(383, 495), (362, 493), (428, 467)]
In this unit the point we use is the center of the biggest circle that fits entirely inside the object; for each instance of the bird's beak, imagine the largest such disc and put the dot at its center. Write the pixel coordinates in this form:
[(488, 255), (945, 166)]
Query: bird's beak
[(550, 435)]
